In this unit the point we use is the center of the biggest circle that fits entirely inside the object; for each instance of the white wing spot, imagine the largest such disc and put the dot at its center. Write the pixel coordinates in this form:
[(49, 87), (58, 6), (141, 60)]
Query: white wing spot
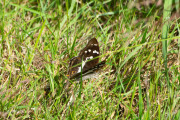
[(88, 58), (89, 50), (79, 68), (95, 51), (91, 57), (85, 51), (95, 44), (83, 63)]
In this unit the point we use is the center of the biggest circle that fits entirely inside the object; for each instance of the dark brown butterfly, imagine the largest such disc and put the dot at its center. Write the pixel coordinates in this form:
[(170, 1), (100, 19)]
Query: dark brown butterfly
[(86, 64)]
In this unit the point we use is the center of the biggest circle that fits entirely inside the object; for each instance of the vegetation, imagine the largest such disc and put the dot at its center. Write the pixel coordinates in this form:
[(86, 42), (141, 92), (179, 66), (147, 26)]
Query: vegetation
[(38, 38)]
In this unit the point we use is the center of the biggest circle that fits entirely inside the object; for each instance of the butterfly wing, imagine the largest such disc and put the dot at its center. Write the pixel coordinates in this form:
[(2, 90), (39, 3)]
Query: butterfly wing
[(74, 66), (90, 54), (90, 73)]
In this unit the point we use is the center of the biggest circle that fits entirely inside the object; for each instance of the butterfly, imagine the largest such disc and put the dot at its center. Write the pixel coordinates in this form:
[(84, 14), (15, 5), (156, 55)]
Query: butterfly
[(86, 65)]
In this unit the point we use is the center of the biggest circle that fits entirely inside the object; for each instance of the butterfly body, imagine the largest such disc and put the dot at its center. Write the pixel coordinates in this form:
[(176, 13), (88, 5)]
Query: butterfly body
[(86, 63)]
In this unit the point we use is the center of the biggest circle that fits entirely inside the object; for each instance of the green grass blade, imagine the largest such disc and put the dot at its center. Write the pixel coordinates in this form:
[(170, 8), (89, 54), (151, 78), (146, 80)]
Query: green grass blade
[(165, 30), (140, 94)]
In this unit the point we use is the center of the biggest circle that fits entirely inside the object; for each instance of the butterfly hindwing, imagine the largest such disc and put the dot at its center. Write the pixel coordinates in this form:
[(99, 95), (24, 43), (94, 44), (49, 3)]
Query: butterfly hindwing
[(89, 71), (74, 66)]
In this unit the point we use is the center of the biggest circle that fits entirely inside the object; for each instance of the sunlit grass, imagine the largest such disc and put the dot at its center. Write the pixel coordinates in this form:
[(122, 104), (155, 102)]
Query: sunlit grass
[(38, 39)]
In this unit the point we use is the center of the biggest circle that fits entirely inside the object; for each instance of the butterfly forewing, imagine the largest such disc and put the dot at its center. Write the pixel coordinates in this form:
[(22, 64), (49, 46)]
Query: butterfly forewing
[(91, 51)]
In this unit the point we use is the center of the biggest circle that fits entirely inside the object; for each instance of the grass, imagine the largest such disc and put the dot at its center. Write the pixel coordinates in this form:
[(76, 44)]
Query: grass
[(37, 40)]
